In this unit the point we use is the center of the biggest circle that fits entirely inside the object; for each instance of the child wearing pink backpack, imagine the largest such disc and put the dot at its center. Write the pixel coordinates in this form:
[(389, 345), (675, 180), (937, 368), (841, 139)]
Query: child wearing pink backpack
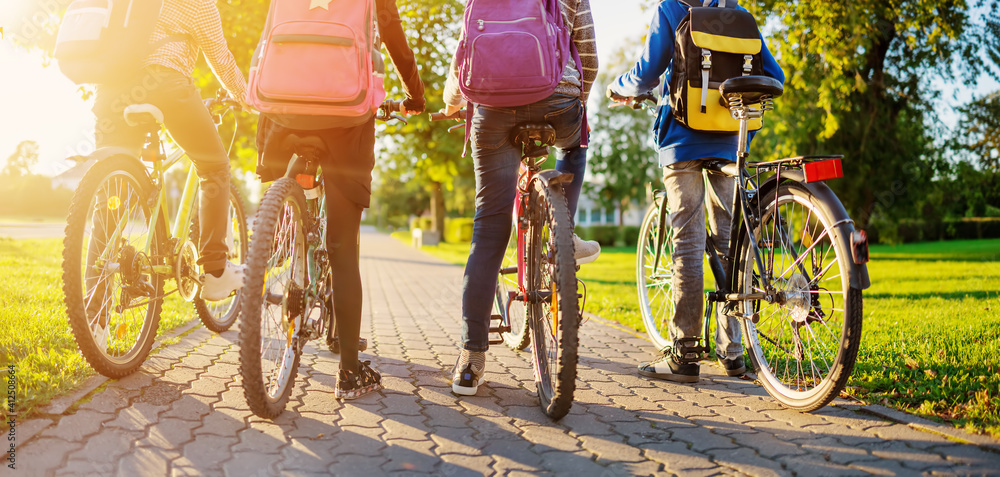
[(523, 61), (316, 31)]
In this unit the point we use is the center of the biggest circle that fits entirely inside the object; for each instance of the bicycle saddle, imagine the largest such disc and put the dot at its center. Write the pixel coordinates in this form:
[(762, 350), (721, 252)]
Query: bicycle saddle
[(751, 88), (535, 137), (302, 145), (143, 115)]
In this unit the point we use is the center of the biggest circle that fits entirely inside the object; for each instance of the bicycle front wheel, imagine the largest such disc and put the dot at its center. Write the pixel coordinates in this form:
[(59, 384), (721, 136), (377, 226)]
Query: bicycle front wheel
[(513, 310), (113, 298), (806, 340), (654, 274), (274, 301), (553, 309), (219, 316)]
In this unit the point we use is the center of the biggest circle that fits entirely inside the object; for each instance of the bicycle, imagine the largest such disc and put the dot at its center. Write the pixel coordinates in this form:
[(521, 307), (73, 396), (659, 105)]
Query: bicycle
[(288, 264), (795, 268), (537, 286), (120, 249)]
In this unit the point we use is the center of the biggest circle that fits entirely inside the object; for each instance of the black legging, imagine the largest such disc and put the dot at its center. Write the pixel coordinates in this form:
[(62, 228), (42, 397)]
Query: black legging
[(343, 224)]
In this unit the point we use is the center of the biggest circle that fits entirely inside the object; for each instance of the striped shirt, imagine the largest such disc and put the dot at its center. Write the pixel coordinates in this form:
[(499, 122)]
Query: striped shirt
[(576, 14), (186, 27), (577, 17)]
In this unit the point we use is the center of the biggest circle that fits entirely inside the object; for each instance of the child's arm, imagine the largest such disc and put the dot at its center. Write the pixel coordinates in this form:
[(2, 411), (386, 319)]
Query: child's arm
[(656, 56)]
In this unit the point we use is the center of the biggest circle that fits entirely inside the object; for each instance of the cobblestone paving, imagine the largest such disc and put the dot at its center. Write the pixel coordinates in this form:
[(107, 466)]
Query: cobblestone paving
[(184, 413)]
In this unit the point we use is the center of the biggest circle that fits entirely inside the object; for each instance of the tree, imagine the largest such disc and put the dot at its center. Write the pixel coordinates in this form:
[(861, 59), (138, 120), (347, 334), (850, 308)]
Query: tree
[(421, 150), (19, 163), (622, 156), (859, 82), (978, 132)]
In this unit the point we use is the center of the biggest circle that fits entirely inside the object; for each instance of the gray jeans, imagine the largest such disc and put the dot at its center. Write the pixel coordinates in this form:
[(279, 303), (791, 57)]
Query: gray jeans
[(685, 184)]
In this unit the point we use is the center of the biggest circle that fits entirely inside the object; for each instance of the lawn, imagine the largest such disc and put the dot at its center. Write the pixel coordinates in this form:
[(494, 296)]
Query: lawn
[(34, 332), (931, 341)]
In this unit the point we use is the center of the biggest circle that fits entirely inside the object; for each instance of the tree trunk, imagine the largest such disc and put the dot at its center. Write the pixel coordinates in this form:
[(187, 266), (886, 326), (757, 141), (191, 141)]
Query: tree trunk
[(437, 208)]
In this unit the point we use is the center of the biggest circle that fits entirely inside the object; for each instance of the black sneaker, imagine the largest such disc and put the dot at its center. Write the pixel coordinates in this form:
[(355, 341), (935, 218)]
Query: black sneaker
[(468, 374), (733, 367), (666, 367), (352, 385)]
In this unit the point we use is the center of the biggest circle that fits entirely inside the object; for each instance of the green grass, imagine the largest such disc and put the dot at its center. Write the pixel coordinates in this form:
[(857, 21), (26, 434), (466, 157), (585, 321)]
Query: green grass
[(931, 340), (34, 332)]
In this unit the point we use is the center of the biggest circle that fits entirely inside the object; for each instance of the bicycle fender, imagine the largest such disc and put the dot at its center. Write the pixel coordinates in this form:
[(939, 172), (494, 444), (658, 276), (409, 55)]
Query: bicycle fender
[(111, 151), (550, 177), (832, 205)]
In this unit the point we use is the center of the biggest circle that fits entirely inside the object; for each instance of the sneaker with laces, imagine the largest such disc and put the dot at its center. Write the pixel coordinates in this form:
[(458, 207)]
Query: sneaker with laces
[(733, 367), (667, 367), (468, 374), (585, 251), (217, 288), (354, 384)]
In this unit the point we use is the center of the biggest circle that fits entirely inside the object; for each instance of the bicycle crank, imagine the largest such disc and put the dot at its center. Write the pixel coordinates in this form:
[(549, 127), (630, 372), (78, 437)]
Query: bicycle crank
[(186, 270)]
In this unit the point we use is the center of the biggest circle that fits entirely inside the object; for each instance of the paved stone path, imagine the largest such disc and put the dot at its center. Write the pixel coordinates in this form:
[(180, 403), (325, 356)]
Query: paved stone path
[(184, 413)]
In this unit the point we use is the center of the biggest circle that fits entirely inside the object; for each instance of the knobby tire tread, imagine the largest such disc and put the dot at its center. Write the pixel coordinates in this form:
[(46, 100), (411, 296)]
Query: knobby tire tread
[(558, 405), (260, 252)]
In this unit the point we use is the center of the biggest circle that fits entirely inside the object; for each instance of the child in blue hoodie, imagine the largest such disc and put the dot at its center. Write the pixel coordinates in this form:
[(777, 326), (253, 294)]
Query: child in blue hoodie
[(681, 152)]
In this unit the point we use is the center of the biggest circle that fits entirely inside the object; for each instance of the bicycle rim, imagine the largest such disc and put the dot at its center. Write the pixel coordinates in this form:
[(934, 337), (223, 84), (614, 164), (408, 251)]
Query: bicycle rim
[(513, 311), (804, 345), (654, 277), (220, 315), (554, 317), (113, 298), (274, 300)]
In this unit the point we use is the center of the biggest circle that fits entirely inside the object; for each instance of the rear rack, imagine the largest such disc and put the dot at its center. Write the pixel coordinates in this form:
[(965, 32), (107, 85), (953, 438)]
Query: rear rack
[(793, 161)]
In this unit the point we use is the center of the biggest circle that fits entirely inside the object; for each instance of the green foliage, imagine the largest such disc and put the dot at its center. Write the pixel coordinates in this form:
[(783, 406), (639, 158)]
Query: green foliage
[(860, 81), (458, 229), (622, 156), (34, 330)]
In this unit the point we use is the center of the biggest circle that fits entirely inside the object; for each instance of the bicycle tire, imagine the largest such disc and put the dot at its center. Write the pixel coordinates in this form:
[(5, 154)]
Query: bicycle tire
[(802, 371), (113, 197), (655, 289), (552, 266), (219, 316), (513, 312), (269, 348)]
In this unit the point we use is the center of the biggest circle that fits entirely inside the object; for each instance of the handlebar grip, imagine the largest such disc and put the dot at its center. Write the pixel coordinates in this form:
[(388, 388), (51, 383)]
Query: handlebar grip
[(460, 114), (392, 106)]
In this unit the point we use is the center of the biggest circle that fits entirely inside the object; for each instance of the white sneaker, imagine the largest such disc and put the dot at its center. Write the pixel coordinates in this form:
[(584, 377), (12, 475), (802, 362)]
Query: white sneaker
[(217, 288), (586, 251)]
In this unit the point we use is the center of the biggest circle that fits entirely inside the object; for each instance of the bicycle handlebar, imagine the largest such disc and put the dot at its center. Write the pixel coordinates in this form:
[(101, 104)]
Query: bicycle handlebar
[(387, 111), (439, 116), (634, 102)]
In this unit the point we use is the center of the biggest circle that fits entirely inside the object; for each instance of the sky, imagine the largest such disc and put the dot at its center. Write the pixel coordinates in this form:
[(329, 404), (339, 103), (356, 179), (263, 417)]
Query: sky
[(38, 103)]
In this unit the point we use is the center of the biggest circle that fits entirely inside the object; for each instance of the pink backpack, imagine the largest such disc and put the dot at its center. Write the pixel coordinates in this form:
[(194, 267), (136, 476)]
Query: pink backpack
[(317, 65)]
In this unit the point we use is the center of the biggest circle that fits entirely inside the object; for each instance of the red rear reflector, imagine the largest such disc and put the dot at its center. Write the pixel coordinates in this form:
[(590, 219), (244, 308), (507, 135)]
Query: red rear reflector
[(306, 181), (823, 170)]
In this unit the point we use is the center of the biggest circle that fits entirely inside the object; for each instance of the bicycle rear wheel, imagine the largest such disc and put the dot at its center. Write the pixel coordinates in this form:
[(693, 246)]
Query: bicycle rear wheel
[(113, 298), (515, 313), (553, 309), (220, 315), (274, 301), (654, 275), (806, 341)]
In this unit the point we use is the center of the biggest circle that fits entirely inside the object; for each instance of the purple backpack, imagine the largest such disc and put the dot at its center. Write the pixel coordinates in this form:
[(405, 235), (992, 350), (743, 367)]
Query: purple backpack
[(512, 52)]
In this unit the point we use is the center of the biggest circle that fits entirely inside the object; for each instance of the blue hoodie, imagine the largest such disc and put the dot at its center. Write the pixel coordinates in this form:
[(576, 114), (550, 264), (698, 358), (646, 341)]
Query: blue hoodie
[(675, 142)]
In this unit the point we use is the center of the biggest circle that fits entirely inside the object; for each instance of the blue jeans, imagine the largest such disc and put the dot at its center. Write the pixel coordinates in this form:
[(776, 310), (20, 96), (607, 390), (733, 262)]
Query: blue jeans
[(496, 161)]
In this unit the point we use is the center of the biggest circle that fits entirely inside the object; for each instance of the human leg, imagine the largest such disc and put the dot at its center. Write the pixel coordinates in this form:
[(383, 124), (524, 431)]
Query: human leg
[(685, 200), (192, 127), (565, 114)]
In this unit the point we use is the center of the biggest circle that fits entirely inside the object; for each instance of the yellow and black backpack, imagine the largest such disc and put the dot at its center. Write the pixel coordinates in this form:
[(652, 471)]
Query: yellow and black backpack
[(711, 45)]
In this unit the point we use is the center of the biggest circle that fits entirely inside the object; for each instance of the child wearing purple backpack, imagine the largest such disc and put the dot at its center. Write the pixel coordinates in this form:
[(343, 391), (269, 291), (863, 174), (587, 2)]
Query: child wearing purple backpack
[(496, 161)]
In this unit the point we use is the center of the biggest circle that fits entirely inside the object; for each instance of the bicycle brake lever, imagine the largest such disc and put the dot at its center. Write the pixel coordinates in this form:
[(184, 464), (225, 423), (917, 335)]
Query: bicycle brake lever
[(457, 126), (398, 118)]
